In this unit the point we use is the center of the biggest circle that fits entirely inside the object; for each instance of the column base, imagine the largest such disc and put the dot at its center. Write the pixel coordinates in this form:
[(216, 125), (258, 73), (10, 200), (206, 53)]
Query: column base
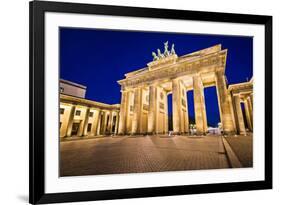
[(228, 132), (200, 133), (150, 133)]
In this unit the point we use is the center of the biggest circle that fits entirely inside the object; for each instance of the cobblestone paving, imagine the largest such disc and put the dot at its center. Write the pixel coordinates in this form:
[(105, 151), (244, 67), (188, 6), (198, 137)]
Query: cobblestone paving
[(243, 148), (125, 154)]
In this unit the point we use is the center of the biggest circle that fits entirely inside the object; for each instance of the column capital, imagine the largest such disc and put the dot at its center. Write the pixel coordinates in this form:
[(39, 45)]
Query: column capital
[(124, 90), (177, 79), (197, 75), (152, 84), (220, 68)]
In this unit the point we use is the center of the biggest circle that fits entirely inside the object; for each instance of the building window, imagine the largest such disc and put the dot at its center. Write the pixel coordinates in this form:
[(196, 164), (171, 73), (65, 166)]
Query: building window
[(147, 98), (78, 112), (161, 105), (161, 96), (61, 111), (91, 114), (183, 102), (145, 107), (61, 89), (89, 127)]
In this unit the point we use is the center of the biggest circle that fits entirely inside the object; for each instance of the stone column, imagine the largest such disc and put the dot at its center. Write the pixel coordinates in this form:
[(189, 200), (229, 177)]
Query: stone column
[(239, 114), (152, 109), (226, 117), (186, 118), (114, 115), (116, 123), (123, 113), (95, 122), (82, 124), (109, 127), (176, 95), (98, 131), (85, 124), (101, 123), (166, 130), (252, 101), (199, 105), (70, 121), (104, 123), (129, 112), (248, 114), (233, 115), (136, 123), (250, 109)]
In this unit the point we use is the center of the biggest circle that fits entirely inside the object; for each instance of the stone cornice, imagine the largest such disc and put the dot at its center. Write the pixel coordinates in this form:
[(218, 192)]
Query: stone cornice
[(89, 103), (241, 86)]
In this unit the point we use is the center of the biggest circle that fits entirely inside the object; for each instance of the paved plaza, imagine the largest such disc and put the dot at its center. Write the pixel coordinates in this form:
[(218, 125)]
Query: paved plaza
[(135, 154)]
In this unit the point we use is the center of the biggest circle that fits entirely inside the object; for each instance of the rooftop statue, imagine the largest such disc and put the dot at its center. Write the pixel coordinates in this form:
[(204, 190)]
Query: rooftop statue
[(173, 52), (155, 57), (160, 55), (166, 53)]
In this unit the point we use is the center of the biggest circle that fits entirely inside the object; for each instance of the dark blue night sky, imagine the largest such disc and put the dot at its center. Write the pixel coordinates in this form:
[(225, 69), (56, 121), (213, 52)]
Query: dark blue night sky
[(98, 58)]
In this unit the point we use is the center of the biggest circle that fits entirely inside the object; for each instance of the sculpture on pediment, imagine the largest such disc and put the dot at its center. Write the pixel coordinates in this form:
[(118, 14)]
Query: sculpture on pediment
[(155, 57), (160, 55), (173, 52), (166, 51)]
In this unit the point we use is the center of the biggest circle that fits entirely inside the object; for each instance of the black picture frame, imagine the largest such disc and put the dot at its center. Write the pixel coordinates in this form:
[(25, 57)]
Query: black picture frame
[(37, 194)]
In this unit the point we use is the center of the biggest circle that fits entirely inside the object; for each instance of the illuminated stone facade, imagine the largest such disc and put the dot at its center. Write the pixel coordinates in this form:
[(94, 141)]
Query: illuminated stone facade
[(243, 93), (144, 106), (82, 117)]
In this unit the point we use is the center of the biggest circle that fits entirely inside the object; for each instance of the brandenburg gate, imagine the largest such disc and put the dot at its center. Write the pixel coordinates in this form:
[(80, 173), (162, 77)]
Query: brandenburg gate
[(144, 104)]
